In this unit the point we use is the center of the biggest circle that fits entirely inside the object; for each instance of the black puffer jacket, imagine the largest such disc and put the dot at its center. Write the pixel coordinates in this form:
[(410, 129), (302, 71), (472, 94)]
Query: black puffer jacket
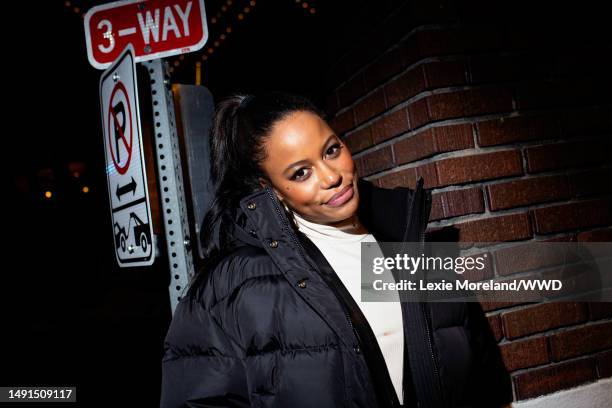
[(275, 327)]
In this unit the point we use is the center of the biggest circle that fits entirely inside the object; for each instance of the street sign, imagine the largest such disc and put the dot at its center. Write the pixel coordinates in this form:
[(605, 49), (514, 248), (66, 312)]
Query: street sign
[(156, 29), (125, 165)]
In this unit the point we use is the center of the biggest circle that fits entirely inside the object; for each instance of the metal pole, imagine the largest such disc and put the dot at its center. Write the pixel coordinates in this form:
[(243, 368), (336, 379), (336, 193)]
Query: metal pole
[(171, 189)]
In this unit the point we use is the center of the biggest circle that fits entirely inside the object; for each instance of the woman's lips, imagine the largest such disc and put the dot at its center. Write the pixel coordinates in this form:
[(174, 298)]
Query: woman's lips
[(342, 197)]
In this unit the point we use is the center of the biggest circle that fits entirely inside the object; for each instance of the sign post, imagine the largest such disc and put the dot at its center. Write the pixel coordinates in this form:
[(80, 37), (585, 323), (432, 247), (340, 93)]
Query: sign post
[(147, 30), (125, 165)]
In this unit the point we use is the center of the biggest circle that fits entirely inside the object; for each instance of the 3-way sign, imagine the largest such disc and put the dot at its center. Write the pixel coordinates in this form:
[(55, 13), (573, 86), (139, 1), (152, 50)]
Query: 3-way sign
[(156, 29), (125, 165)]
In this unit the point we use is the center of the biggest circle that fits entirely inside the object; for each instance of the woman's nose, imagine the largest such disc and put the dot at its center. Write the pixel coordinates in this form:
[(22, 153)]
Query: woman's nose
[(330, 177)]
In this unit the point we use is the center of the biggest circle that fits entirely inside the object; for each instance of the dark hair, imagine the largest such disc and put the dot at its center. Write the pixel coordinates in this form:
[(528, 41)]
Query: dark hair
[(242, 123)]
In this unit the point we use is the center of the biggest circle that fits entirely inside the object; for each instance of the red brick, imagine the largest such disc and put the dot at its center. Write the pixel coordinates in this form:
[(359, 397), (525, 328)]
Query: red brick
[(528, 257), (359, 140), (527, 191), (416, 147), (448, 105), (453, 137), (444, 73), (565, 155), (583, 340), (496, 326), (343, 122), (600, 235), (429, 172), (377, 160), (488, 100), (495, 229), (515, 129), (469, 103), (600, 310), (573, 215), (370, 106), (486, 166), (405, 86), (418, 112), (526, 353), (387, 66), (546, 380), (433, 140), (542, 317), (351, 91), (403, 178), (591, 182), (456, 202), (390, 125), (604, 364)]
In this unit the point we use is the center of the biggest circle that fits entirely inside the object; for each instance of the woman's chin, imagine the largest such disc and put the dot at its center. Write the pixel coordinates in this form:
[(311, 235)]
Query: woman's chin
[(344, 212)]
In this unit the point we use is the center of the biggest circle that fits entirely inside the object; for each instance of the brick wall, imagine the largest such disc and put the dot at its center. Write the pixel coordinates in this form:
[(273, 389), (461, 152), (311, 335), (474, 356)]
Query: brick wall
[(509, 123)]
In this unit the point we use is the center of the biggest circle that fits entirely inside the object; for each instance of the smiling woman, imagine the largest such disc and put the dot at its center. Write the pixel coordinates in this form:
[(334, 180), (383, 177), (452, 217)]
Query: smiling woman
[(275, 317), (311, 170)]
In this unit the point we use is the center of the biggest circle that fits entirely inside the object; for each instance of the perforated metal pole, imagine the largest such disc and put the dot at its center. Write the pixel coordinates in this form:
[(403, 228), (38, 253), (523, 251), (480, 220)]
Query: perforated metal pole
[(170, 181)]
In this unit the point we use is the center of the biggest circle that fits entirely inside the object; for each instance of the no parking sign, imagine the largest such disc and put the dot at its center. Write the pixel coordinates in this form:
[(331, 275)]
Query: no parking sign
[(125, 165)]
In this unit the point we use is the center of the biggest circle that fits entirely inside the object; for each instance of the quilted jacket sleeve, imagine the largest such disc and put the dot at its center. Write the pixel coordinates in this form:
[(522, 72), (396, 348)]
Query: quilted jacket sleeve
[(489, 384), (201, 366)]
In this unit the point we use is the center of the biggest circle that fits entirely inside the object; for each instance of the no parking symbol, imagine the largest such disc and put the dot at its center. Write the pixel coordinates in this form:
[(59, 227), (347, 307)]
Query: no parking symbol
[(125, 166), (119, 110)]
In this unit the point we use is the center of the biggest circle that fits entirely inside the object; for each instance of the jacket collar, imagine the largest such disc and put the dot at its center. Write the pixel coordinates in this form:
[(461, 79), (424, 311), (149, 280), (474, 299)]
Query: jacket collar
[(384, 212), (261, 222)]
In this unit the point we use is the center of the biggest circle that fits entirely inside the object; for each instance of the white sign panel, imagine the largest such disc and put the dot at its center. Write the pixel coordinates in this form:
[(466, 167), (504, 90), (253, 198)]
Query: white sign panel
[(125, 165)]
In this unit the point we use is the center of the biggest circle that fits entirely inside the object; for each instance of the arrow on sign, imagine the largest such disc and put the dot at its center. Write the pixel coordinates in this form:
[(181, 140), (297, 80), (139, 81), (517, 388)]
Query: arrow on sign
[(121, 190)]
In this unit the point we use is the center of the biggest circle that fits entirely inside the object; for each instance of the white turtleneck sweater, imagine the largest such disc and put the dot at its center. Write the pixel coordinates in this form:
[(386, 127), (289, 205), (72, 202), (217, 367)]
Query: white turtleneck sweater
[(341, 246)]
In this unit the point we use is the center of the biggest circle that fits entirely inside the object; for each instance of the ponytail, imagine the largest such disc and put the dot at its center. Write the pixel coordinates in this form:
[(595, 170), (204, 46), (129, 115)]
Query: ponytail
[(241, 126)]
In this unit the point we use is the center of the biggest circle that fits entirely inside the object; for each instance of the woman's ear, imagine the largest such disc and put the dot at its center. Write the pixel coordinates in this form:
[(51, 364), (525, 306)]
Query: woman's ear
[(262, 182)]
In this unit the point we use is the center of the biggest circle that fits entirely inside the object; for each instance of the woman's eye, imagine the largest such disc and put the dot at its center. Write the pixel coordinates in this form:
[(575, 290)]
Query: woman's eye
[(334, 149), (301, 174)]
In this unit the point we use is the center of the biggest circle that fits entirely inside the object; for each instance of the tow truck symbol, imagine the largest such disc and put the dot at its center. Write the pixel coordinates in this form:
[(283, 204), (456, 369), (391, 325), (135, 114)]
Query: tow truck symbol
[(141, 233)]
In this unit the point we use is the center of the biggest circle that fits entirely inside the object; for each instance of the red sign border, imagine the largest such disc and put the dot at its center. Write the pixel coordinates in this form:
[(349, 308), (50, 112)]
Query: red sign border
[(120, 169), (148, 57)]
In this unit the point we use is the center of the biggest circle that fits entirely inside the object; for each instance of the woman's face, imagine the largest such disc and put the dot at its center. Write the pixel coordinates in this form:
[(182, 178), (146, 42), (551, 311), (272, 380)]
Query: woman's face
[(311, 170)]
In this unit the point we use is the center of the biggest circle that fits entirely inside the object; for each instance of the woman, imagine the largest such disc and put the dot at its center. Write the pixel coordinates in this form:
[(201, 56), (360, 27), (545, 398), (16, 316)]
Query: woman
[(274, 319)]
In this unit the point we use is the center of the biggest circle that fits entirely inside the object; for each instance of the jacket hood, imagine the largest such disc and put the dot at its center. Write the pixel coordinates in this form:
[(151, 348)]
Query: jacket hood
[(386, 213)]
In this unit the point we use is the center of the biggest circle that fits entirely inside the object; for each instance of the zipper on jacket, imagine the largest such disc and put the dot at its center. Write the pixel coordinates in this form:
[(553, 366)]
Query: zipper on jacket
[(332, 284), (424, 220), (303, 252)]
